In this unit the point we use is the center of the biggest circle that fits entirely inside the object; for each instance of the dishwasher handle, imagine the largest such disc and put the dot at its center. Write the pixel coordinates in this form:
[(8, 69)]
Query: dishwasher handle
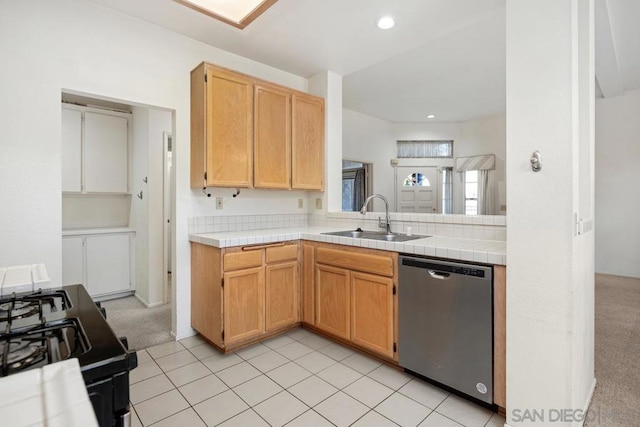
[(439, 275)]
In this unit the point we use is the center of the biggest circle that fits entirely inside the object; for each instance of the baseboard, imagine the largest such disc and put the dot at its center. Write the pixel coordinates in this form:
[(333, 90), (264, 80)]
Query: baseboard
[(588, 402), (146, 304), (585, 407), (184, 335)]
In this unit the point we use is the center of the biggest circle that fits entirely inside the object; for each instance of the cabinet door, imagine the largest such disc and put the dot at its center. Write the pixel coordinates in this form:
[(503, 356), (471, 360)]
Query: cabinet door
[(243, 304), (372, 312), (282, 290), (71, 150), (308, 281), (229, 124), (107, 264), (73, 261), (307, 142), (272, 137), (105, 153), (332, 300)]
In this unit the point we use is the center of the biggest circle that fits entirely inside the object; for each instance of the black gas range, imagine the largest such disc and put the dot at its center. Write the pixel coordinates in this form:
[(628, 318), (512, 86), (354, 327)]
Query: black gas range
[(48, 326)]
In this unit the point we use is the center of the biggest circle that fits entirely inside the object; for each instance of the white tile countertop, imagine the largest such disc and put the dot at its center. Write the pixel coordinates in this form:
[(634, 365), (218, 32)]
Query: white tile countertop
[(483, 251), (53, 396)]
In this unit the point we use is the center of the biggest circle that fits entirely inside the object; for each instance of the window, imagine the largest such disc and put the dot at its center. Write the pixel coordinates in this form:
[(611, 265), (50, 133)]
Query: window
[(425, 149), (471, 192), (416, 179), (355, 184)]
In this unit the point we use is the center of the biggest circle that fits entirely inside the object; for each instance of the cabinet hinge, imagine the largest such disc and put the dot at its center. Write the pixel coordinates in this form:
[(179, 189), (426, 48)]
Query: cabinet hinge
[(205, 176), (394, 289), (205, 78), (223, 335), (222, 282), (395, 347)]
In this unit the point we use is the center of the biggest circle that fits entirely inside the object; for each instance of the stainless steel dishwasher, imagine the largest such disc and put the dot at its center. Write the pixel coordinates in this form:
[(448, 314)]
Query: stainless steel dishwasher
[(446, 323)]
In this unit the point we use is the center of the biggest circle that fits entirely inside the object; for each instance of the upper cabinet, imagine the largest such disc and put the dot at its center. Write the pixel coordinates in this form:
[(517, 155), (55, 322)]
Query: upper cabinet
[(249, 133), (272, 137), (95, 148), (307, 142)]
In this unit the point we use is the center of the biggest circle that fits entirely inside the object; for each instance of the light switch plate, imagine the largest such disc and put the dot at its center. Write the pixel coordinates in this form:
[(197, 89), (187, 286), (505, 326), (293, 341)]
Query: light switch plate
[(300, 203), (319, 203), (218, 202)]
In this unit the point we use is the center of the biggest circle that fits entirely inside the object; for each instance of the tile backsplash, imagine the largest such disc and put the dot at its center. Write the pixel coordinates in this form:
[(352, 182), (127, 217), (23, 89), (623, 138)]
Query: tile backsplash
[(468, 227), (215, 224)]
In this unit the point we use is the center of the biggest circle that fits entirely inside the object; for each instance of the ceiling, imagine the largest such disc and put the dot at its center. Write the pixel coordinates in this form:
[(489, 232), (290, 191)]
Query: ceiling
[(443, 57)]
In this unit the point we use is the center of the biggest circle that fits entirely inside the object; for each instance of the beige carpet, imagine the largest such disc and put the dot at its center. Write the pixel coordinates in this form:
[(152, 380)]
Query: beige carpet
[(143, 327), (616, 400)]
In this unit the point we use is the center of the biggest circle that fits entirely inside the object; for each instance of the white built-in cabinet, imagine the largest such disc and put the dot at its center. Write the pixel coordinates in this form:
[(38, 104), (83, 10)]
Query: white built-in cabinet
[(95, 150), (101, 262)]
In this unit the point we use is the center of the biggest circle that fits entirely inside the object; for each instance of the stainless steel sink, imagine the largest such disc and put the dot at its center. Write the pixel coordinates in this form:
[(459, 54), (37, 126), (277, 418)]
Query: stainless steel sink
[(374, 235)]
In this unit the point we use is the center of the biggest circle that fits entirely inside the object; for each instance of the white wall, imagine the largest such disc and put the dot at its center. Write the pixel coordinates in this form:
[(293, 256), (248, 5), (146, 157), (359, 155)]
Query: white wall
[(617, 191), (78, 46), (371, 140), (147, 215), (550, 313), (487, 136), (140, 208)]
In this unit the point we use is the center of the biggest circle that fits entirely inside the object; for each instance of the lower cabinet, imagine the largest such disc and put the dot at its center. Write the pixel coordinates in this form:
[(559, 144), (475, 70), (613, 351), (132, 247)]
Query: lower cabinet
[(354, 296), (243, 304), (372, 313), (241, 294), (332, 301), (101, 262)]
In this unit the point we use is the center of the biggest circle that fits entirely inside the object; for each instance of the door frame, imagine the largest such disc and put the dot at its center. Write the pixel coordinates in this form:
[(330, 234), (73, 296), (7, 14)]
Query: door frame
[(438, 184)]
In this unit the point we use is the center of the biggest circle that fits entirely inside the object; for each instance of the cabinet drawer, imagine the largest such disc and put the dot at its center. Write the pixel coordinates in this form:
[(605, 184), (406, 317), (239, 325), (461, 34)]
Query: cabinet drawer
[(376, 264), (238, 260), (282, 253)]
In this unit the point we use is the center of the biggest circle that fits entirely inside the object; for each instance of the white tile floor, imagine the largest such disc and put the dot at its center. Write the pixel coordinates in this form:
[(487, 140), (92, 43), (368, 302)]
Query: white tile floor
[(296, 379)]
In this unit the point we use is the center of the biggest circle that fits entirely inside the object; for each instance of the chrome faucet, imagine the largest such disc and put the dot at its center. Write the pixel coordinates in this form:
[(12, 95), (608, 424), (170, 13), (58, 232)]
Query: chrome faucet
[(387, 224)]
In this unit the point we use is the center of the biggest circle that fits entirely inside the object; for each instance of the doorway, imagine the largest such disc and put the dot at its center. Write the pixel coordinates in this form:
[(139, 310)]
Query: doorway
[(417, 189), (168, 192)]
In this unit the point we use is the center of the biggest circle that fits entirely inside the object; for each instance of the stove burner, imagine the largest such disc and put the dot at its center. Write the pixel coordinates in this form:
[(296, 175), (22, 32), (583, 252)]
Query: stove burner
[(18, 309), (24, 356)]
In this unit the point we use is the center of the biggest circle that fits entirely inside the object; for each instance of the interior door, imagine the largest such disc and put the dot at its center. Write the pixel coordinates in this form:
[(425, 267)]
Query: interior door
[(417, 189)]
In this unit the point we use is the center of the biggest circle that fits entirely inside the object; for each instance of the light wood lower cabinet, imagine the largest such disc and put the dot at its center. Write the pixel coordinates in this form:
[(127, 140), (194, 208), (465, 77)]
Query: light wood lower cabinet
[(243, 304), (282, 295), (372, 315), (243, 294), (332, 301), (355, 297)]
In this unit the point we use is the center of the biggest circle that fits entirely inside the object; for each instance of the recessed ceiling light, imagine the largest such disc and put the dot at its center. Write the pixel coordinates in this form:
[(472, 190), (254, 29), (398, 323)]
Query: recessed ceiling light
[(431, 116), (385, 22)]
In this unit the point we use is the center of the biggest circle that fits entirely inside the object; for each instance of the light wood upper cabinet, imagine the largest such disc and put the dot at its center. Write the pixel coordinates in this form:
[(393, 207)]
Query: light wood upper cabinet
[(307, 142), (221, 128), (272, 137), (246, 132)]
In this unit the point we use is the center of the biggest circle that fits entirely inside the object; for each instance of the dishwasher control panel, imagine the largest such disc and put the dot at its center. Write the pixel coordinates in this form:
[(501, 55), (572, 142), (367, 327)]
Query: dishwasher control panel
[(455, 269)]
